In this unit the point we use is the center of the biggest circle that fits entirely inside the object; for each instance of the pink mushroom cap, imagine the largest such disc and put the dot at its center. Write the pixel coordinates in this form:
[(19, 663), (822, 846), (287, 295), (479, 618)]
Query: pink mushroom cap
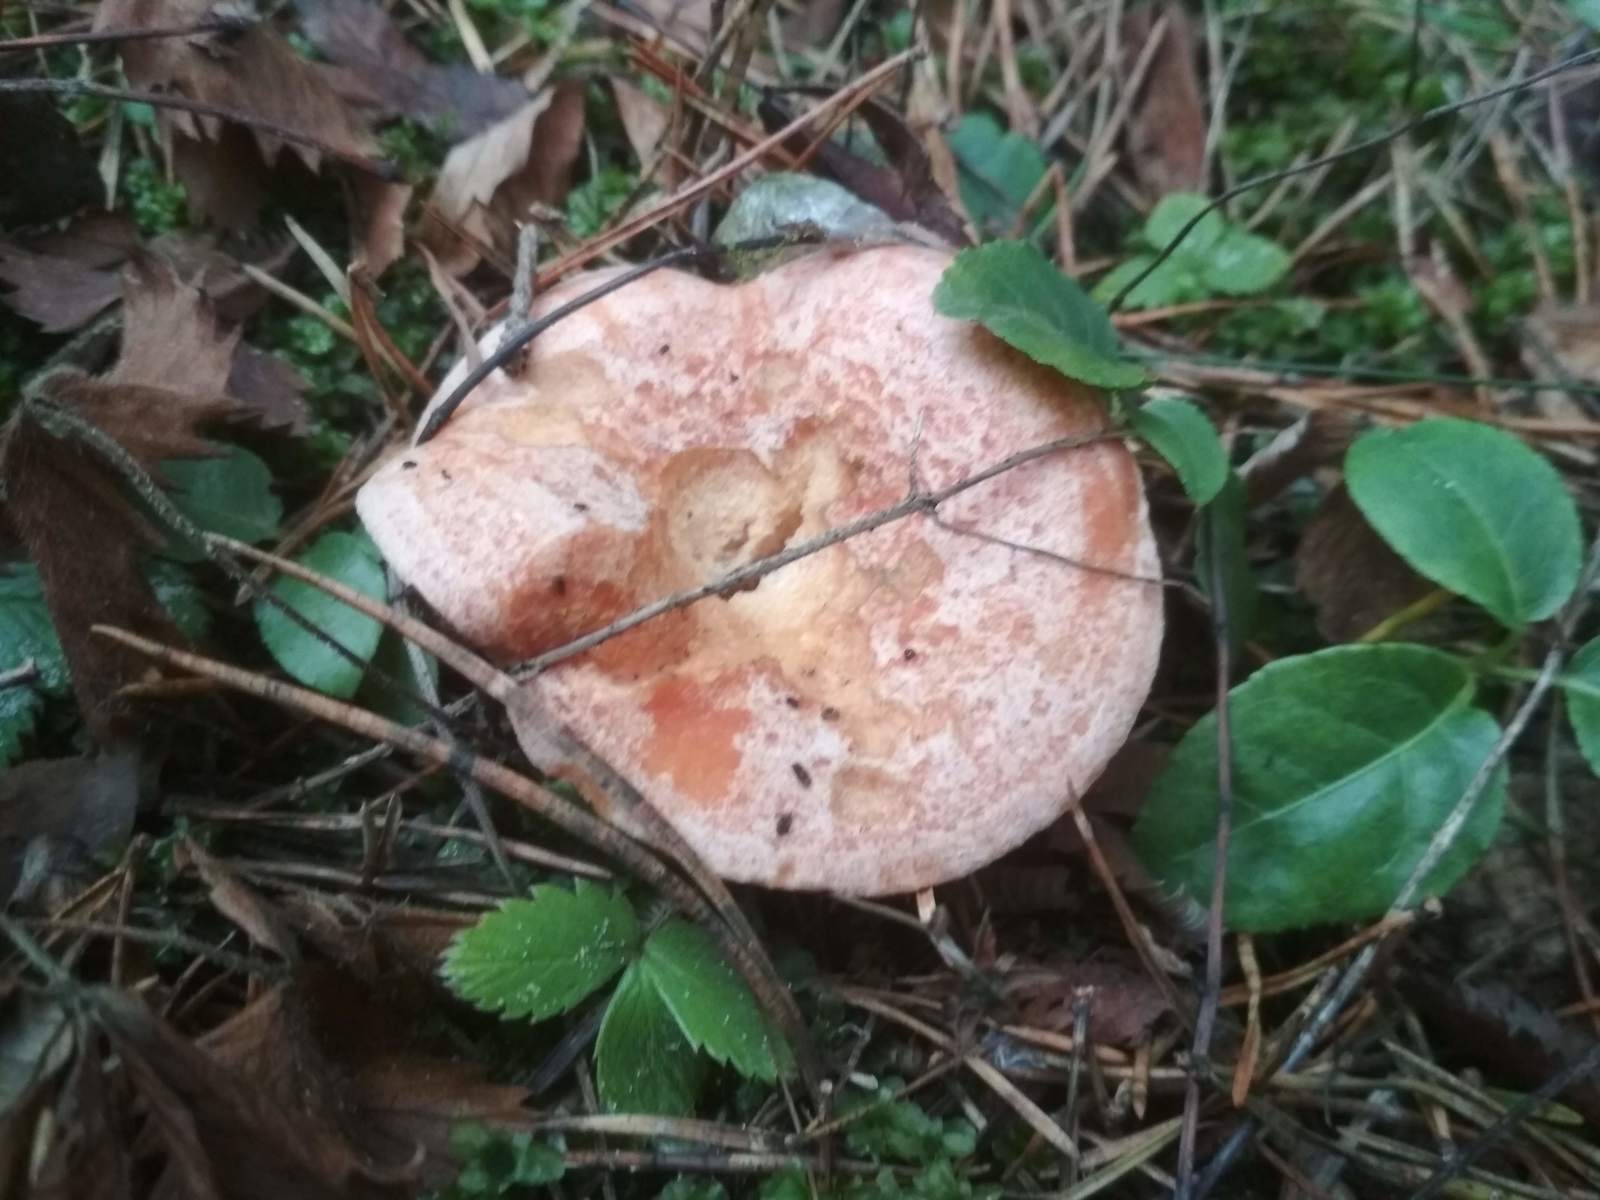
[(889, 713)]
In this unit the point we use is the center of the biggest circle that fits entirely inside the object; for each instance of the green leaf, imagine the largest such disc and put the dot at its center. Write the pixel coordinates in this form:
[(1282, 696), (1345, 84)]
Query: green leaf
[(998, 172), (1474, 510), (1345, 763), (1220, 556), (26, 630), (1167, 220), (1177, 430), (184, 602), (643, 1063), (782, 200), (26, 633), (1242, 264), (1587, 11), (711, 1004), (536, 958), (1215, 257), (496, 1163), (691, 1187), (352, 560), (392, 660), (1581, 683), (901, 1130), (1015, 292), (230, 494), (1172, 282)]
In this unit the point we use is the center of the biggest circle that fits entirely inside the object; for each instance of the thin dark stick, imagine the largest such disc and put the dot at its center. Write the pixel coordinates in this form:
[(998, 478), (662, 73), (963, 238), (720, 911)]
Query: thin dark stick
[(44, 41), (515, 341), (1206, 1019), (1355, 975), (76, 87), (1372, 143), (917, 501), (1457, 1161)]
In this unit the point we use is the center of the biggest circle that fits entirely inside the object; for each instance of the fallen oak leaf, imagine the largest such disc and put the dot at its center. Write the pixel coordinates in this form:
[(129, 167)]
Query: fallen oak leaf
[(381, 69), (236, 64), (71, 508), (489, 182)]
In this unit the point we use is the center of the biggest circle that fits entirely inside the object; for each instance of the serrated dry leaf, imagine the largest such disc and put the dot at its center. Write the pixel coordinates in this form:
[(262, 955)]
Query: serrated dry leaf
[(244, 66), (70, 507), (489, 182), (382, 70)]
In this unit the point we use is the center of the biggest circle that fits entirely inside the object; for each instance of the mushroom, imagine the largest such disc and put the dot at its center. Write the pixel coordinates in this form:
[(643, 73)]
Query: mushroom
[(890, 712)]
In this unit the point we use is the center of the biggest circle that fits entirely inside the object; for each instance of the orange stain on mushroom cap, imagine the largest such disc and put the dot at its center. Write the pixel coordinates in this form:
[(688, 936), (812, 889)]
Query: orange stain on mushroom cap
[(693, 740)]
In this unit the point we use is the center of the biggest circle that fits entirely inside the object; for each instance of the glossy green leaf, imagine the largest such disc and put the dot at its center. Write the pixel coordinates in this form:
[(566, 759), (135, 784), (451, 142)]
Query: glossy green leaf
[(1182, 434), (1016, 293), (1168, 219), (997, 172), (710, 1002), (352, 560), (1581, 683), (1242, 264), (1345, 763), (539, 957), (1473, 509), (1172, 282), (26, 634), (643, 1063), (230, 494), (1214, 258)]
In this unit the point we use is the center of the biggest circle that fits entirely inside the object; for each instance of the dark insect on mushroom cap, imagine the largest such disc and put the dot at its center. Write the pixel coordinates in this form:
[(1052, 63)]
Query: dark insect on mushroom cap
[(891, 712)]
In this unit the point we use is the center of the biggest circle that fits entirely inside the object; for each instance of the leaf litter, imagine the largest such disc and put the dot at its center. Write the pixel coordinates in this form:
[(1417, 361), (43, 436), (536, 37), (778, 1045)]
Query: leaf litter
[(256, 1008)]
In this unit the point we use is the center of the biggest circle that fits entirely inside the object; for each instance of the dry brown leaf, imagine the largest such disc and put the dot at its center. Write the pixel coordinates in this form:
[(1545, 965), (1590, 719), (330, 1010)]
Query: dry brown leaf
[(1318, 439), (323, 1042), (238, 901), (251, 1114), (1349, 573), (243, 66), (87, 802), (49, 170), (489, 182), (1124, 1001), (379, 219), (64, 280), (644, 119), (1166, 130), (1564, 342), (382, 70), (69, 506)]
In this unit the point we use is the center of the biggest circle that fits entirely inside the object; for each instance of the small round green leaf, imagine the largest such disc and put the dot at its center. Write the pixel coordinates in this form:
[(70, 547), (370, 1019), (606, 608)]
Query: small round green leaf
[(536, 958), (1017, 294), (710, 1002), (1168, 219), (643, 1064), (230, 494), (1177, 430), (1242, 264), (1581, 683), (352, 560), (1474, 510), (1345, 763)]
